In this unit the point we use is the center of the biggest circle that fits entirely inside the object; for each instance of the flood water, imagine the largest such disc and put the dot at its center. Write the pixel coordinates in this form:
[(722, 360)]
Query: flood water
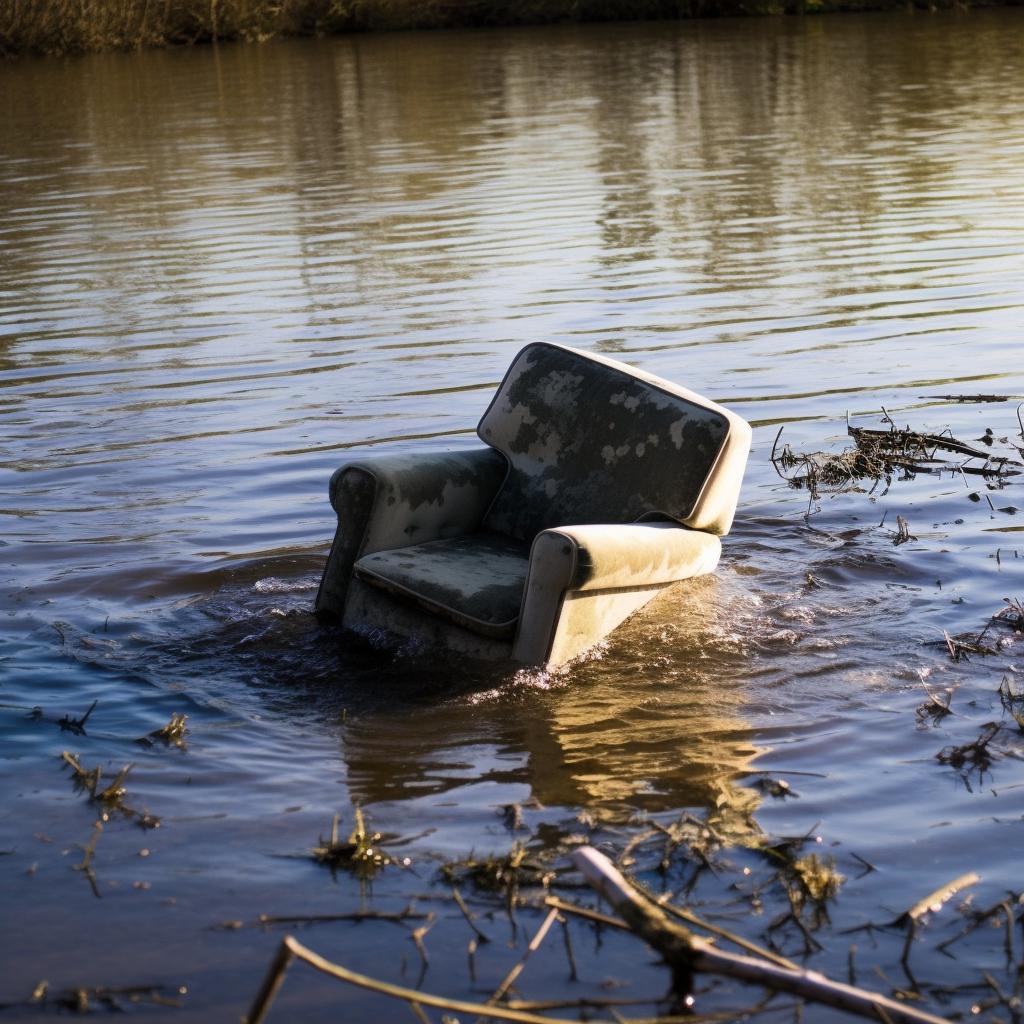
[(223, 271)]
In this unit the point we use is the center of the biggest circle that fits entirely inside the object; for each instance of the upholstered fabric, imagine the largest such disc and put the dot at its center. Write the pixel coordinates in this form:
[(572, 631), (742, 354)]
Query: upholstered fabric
[(584, 580), (584, 455), (590, 441), (392, 500), (475, 581)]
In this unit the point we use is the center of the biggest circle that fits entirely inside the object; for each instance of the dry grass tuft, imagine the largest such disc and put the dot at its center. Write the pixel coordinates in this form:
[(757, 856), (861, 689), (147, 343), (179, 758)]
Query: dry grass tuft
[(361, 853)]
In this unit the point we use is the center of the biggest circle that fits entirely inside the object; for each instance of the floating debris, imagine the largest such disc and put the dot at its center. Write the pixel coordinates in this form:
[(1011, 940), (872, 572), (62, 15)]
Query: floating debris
[(360, 853), (693, 837), (512, 815), (878, 454), (917, 449), (938, 700), (820, 881), (508, 874), (87, 780), (112, 796), (1012, 615), (903, 533), (963, 399), (934, 901), (1011, 694), (77, 725), (972, 756), (817, 471), (778, 788), (113, 998), (173, 733), (960, 648)]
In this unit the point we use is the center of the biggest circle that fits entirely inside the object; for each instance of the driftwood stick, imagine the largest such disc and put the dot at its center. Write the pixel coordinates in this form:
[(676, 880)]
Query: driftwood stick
[(590, 915), (934, 900), (738, 940), (686, 915), (355, 915), (685, 953), (271, 983), (291, 948)]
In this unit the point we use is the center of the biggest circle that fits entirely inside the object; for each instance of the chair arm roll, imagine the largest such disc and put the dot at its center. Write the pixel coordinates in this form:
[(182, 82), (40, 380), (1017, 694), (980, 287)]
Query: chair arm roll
[(611, 557), (393, 501), (584, 580)]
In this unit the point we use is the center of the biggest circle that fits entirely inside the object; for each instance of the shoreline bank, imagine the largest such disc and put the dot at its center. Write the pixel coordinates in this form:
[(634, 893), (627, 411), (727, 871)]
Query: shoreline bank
[(64, 28)]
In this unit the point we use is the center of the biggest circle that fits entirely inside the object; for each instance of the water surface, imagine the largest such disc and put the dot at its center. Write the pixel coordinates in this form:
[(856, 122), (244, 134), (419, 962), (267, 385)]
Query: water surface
[(223, 271)]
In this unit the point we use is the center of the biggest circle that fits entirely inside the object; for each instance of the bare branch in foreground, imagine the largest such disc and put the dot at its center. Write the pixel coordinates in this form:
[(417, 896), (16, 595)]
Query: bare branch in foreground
[(687, 954), (291, 949)]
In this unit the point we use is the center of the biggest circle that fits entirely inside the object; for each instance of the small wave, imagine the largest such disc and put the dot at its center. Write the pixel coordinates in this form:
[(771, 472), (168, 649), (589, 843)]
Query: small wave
[(276, 585)]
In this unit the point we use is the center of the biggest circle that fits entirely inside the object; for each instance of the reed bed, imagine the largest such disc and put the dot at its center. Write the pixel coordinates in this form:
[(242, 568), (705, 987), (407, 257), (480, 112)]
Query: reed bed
[(61, 27)]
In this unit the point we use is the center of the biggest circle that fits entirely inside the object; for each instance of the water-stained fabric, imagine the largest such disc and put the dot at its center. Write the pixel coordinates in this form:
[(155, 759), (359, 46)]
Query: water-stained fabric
[(590, 443), (475, 581)]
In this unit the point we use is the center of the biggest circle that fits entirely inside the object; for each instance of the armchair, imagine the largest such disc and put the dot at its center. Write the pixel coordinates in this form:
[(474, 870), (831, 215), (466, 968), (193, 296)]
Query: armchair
[(599, 486)]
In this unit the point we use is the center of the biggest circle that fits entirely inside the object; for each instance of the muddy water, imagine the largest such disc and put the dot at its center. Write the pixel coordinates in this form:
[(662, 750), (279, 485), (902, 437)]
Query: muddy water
[(225, 271)]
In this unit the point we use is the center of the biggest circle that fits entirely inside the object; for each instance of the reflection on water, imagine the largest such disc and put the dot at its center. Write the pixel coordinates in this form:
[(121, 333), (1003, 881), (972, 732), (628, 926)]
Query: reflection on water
[(628, 730), (222, 271)]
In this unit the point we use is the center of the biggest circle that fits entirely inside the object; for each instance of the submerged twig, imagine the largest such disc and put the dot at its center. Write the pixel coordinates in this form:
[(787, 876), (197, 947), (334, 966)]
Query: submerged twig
[(591, 915), (530, 949), (963, 399), (355, 915), (738, 940), (84, 866), (461, 903), (77, 725), (980, 917)]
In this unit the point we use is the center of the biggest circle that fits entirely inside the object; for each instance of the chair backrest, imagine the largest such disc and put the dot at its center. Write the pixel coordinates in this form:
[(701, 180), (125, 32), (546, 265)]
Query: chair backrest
[(592, 440)]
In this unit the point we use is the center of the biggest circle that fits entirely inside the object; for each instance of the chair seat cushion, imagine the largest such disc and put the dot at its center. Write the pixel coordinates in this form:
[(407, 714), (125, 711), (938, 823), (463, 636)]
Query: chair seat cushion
[(475, 581)]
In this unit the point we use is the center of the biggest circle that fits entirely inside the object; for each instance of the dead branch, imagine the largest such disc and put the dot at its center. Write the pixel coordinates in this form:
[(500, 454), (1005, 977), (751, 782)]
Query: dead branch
[(934, 901), (686, 954), (291, 949)]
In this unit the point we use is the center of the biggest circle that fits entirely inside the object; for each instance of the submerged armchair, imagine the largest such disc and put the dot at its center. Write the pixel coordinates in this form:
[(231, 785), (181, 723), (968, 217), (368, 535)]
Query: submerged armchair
[(600, 486)]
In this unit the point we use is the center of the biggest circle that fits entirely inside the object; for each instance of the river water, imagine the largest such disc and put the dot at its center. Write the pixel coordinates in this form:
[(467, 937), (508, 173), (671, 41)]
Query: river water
[(225, 270)]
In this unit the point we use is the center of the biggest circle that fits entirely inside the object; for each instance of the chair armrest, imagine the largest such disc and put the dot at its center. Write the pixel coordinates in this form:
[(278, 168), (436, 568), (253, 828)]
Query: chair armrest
[(394, 501), (638, 558)]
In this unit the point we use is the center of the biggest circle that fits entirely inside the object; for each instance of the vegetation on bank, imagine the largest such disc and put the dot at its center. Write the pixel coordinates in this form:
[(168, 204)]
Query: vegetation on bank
[(57, 27)]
